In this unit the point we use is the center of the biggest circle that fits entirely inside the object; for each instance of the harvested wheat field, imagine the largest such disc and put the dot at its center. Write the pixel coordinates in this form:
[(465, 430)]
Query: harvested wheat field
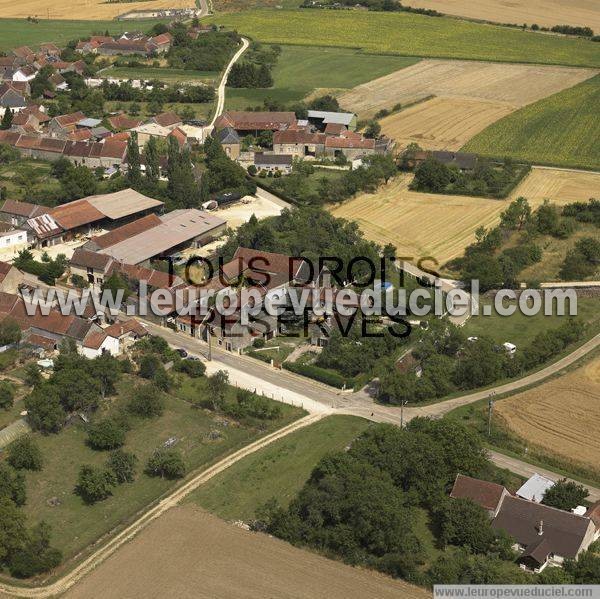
[(558, 185), (443, 123), (561, 416), (512, 84), (546, 13), (190, 553), (87, 10), (423, 224)]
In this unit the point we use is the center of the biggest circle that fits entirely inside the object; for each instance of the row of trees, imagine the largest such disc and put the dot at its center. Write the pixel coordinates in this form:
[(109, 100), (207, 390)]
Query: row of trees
[(449, 362)]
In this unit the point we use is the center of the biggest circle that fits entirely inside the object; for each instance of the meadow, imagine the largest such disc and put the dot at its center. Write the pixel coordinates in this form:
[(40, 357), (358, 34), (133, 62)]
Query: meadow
[(279, 470), (562, 130), (302, 70), (20, 32), (410, 35)]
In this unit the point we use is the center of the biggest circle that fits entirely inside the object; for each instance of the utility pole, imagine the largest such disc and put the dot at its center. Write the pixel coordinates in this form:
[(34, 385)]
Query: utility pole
[(209, 343), (402, 404), (490, 412)]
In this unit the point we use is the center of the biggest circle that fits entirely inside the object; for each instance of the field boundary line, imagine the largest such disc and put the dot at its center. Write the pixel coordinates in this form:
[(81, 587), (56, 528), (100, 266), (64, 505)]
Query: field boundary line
[(68, 580)]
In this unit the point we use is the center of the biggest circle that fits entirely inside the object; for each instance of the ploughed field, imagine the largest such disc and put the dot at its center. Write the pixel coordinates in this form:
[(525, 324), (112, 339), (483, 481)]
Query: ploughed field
[(438, 225), (561, 417), (188, 553), (546, 13)]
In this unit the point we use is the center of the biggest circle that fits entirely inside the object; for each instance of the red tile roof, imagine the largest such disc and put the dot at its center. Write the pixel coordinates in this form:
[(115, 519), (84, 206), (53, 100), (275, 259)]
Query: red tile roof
[(94, 340), (126, 231), (76, 214), (250, 121), (483, 493), (167, 119)]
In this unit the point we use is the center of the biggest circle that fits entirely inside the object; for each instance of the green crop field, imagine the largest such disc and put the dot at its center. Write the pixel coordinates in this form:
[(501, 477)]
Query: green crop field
[(300, 70), (410, 35), (279, 470), (20, 32), (563, 129)]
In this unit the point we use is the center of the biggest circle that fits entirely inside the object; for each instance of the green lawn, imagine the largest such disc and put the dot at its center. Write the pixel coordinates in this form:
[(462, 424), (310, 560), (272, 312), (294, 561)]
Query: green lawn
[(20, 32), (279, 470), (163, 74), (563, 129), (520, 329), (27, 176), (300, 70), (410, 35), (74, 524)]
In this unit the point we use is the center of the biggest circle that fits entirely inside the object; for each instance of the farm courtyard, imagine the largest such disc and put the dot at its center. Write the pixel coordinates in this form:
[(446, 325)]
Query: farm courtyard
[(421, 224)]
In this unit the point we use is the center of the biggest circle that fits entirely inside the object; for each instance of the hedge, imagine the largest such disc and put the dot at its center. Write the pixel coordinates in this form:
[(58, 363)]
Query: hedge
[(320, 374)]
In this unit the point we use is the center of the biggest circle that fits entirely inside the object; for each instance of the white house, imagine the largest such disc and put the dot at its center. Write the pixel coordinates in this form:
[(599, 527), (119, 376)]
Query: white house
[(11, 237)]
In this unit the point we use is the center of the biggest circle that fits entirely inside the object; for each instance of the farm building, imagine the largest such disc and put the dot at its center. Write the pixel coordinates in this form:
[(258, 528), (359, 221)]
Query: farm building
[(252, 123), (535, 488), (178, 230), (299, 143), (230, 142), (273, 162), (545, 536), (81, 216), (323, 119)]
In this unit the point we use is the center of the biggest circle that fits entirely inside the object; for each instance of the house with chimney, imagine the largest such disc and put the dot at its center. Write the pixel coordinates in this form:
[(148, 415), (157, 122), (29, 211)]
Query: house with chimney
[(544, 536)]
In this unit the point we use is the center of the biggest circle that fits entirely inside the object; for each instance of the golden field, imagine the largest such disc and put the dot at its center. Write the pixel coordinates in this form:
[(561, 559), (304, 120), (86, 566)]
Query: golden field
[(561, 416), (546, 13), (422, 224), (87, 10)]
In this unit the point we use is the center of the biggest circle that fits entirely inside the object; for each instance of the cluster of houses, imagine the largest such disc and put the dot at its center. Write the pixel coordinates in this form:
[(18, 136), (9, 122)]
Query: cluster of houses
[(321, 135), (544, 536), (129, 43)]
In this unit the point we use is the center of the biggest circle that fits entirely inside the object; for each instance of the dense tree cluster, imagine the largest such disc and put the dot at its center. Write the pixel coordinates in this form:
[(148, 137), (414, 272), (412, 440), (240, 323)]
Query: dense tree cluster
[(47, 269), (76, 385), (565, 495), (487, 179)]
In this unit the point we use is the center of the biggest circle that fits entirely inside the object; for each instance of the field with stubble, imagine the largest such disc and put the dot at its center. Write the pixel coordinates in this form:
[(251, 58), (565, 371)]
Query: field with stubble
[(424, 224), (191, 554), (546, 13), (510, 84), (561, 416), (89, 10)]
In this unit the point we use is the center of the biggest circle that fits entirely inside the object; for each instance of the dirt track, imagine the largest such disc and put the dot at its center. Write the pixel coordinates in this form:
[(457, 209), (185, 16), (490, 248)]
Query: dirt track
[(545, 13), (189, 553)]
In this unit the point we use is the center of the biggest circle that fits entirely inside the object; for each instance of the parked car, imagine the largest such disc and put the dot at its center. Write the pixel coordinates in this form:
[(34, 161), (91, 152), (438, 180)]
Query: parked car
[(182, 352)]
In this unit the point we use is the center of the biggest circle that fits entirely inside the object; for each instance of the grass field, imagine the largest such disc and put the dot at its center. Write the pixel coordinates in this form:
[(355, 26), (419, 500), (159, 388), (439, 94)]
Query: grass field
[(421, 224), (279, 470), (563, 129), (520, 329), (545, 13), (190, 554), (19, 32), (74, 524), (163, 74), (90, 10), (301, 70), (410, 35), (561, 416), (508, 85)]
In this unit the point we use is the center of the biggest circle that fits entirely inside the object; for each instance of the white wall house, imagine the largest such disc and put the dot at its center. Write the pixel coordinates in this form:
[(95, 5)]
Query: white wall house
[(12, 238)]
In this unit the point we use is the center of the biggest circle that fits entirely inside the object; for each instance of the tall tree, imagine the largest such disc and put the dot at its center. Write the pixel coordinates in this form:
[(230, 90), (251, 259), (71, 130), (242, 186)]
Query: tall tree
[(152, 161), (134, 172), (7, 119)]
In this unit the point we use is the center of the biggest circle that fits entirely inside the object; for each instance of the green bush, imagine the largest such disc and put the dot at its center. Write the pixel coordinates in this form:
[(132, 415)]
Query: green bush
[(319, 374)]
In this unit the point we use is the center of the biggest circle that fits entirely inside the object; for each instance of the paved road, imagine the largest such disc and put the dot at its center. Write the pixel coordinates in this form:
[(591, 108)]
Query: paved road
[(525, 469)]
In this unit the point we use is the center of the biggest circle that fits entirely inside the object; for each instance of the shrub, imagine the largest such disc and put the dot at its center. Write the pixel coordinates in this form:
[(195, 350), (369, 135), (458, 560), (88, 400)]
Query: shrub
[(94, 484), (259, 342), (7, 394), (122, 465), (146, 401), (166, 463), (24, 454), (106, 434)]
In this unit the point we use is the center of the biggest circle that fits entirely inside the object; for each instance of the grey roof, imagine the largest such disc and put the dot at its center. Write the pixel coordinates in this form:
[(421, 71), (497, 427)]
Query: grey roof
[(123, 203), (89, 122), (535, 488), (339, 118), (228, 136), (178, 227), (464, 160), (564, 532), (261, 159)]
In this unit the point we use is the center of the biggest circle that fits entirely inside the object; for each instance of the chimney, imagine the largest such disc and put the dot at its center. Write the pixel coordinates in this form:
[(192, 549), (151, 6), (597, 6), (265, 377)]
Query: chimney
[(541, 528)]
